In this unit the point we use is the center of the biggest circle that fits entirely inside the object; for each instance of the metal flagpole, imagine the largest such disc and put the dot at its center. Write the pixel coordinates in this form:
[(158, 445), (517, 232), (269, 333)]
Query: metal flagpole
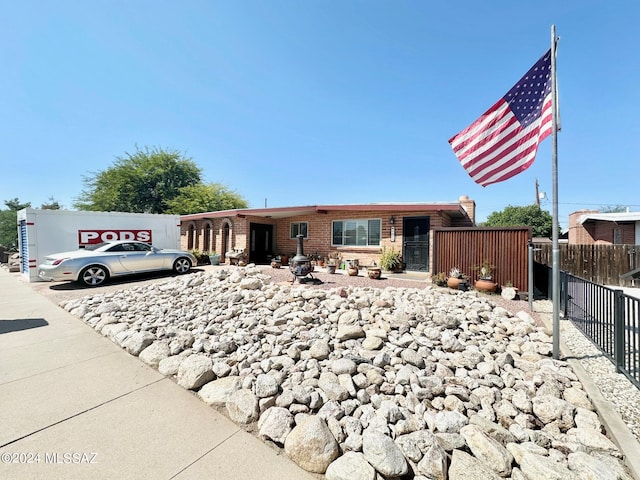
[(555, 290)]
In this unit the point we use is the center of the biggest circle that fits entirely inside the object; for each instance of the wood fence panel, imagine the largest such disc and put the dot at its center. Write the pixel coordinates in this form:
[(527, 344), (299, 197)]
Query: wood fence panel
[(602, 264), (505, 248)]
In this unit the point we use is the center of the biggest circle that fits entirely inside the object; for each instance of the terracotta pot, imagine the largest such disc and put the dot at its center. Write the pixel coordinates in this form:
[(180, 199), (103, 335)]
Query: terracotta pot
[(485, 286), (453, 282), (275, 264), (353, 271), (374, 272)]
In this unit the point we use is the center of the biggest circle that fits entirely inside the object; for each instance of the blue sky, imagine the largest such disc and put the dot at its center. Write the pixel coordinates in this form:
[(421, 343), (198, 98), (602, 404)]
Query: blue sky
[(314, 102)]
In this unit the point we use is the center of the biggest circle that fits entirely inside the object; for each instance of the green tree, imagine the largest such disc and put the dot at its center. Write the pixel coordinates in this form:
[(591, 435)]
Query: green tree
[(613, 209), (52, 204), (533, 216), (9, 222), (14, 204), (205, 198), (142, 182)]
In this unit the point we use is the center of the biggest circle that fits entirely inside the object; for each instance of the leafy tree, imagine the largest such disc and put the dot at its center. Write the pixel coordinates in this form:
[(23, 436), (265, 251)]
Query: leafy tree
[(52, 205), (613, 209), (141, 182), (204, 198), (9, 222), (14, 204), (533, 216)]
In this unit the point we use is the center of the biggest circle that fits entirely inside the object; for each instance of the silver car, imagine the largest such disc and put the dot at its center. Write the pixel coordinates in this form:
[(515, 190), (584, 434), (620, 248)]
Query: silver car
[(112, 259)]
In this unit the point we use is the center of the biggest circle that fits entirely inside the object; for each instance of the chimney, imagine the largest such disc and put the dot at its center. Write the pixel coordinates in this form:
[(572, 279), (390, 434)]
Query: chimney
[(469, 207)]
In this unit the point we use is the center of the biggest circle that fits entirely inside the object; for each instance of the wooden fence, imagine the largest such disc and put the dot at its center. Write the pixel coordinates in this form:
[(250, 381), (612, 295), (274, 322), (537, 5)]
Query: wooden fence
[(602, 264), (504, 247)]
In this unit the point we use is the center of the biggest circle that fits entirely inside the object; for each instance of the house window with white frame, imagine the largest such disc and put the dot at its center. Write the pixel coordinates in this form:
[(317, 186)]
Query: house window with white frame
[(299, 228), (360, 232)]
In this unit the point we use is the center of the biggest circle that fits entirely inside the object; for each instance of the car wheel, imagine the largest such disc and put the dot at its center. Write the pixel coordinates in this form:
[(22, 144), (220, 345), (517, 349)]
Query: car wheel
[(94, 275), (182, 265)]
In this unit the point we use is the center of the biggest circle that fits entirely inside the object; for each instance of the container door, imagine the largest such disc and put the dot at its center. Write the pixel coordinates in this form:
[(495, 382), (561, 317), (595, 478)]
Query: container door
[(24, 247)]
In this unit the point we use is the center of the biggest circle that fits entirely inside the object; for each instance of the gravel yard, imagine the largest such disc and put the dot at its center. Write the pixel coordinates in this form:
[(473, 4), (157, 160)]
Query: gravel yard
[(439, 377), (617, 389)]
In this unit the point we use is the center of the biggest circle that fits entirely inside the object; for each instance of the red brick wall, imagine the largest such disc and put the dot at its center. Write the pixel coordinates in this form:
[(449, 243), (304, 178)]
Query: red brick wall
[(319, 233), (598, 231), (580, 234)]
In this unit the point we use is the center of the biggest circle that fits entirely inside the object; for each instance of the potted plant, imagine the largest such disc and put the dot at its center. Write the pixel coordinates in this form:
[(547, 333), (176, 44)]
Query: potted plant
[(439, 279), (390, 259), (485, 282), (353, 268), (331, 265), (374, 272), (455, 278), (333, 261), (214, 258)]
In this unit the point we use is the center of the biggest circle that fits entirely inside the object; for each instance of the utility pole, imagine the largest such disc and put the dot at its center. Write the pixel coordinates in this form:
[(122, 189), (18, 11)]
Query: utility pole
[(537, 195)]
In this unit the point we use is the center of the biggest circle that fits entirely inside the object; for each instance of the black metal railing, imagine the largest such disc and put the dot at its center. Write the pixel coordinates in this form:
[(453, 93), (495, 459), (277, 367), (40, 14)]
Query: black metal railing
[(608, 317)]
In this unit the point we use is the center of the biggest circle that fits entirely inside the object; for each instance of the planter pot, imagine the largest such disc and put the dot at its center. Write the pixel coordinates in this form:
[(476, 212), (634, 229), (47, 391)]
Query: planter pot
[(453, 282), (485, 286), (374, 272), (284, 259), (214, 259), (353, 271), (331, 269), (276, 264)]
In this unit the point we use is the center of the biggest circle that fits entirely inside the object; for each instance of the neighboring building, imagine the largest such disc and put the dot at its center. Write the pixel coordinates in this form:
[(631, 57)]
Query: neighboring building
[(353, 231), (591, 227)]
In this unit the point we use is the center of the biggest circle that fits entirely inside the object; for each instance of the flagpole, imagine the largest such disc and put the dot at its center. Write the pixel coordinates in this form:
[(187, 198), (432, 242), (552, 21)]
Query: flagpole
[(555, 291)]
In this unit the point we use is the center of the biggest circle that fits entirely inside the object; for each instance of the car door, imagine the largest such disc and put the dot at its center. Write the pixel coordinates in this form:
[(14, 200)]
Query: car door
[(139, 257)]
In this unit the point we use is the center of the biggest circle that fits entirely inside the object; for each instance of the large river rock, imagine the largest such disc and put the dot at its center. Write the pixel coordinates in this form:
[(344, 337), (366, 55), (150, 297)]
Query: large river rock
[(446, 381)]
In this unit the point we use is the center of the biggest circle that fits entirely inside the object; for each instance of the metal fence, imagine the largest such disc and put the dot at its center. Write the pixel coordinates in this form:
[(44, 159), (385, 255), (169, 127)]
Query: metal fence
[(608, 317)]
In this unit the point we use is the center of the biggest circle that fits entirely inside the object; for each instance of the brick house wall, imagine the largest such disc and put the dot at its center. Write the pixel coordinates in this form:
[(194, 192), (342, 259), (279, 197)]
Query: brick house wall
[(320, 231), (599, 231), (208, 232)]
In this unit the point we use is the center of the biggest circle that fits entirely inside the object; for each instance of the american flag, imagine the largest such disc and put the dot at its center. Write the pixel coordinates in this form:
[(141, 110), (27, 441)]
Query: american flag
[(504, 140)]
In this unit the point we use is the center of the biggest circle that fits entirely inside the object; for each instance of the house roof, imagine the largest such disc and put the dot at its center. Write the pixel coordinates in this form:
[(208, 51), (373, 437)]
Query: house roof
[(453, 209), (610, 217)]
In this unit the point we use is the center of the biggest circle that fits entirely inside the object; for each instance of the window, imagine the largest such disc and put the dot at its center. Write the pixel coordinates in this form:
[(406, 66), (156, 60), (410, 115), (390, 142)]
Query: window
[(299, 228), (617, 236), (359, 233)]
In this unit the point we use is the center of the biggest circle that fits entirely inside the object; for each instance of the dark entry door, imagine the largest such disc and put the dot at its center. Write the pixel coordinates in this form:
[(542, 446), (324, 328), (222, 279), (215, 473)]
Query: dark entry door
[(261, 245), (415, 249)]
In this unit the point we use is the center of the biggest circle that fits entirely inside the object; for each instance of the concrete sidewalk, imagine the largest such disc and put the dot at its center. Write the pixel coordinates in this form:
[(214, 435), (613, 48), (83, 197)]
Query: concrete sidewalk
[(75, 406)]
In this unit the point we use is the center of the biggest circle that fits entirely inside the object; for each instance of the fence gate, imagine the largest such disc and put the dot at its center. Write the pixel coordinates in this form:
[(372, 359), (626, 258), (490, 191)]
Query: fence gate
[(504, 247)]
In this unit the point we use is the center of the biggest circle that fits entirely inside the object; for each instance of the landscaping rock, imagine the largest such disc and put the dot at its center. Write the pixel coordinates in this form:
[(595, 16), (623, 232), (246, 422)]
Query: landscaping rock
[(391, 378)]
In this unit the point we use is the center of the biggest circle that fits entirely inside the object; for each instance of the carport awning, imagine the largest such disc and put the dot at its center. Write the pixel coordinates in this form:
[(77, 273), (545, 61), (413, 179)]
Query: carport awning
[(611, 217)]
